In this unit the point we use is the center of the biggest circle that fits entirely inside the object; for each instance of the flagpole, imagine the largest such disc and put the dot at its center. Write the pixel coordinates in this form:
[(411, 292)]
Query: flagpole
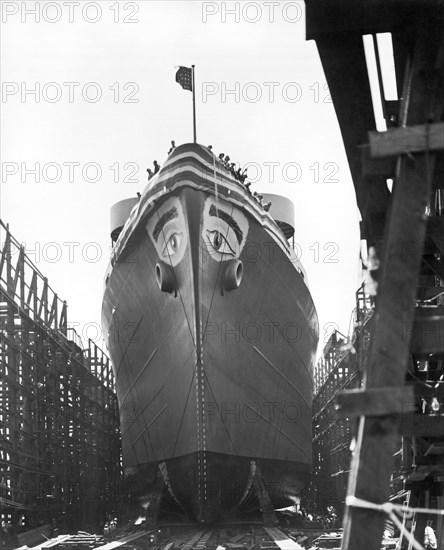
[(194, 105)]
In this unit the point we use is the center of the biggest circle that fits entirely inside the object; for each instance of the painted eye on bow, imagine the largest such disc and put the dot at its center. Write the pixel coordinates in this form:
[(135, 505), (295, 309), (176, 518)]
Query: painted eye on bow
[(172, 245), (219, 242)]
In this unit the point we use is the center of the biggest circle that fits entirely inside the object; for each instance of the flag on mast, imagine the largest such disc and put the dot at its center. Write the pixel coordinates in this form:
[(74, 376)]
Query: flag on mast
[(185, 77)]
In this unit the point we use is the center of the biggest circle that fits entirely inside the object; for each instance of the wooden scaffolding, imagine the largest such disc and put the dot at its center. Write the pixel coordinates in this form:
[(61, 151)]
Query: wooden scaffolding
[(341, 367), (59, 424), (403, 391)]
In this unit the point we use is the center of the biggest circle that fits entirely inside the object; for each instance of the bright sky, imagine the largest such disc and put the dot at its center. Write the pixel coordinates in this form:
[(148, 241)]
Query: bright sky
[(108, 105)]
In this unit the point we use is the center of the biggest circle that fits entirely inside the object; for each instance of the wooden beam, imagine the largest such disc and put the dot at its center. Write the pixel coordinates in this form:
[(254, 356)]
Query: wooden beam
[(435, 460), (43, 307), (4, 255), (19, 276), (326, 17), (33, 293), (382, 166), (420, 473), (125, 540), (413, 139), (422, 425), (268, 514), (435, 487), (63, 321), (283, 541), (53, 313), (374, 401)]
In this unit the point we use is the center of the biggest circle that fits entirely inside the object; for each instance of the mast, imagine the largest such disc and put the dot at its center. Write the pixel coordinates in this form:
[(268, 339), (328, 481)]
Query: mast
[(194, 104)]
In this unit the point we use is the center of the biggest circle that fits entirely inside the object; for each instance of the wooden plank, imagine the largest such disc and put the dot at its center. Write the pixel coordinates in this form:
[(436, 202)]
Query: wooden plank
[(422, 425), (125, 540), (202, 542), (5, 256), (413, 139), (238, 537), (435, 487), (34, 536), (435, 460), (268, 514), (383, 166), (190, 543), (374, 401), (420, 473), (282, 540), (350, 16), (111, 545)]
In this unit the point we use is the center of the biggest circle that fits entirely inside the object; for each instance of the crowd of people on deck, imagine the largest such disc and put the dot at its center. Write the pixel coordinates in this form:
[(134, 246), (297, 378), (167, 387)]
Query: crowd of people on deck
[(239, 174)]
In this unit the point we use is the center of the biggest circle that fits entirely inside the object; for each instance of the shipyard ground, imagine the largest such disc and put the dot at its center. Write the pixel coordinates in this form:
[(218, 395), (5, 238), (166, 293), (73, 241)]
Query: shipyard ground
[(302, 535), (231, 536)]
